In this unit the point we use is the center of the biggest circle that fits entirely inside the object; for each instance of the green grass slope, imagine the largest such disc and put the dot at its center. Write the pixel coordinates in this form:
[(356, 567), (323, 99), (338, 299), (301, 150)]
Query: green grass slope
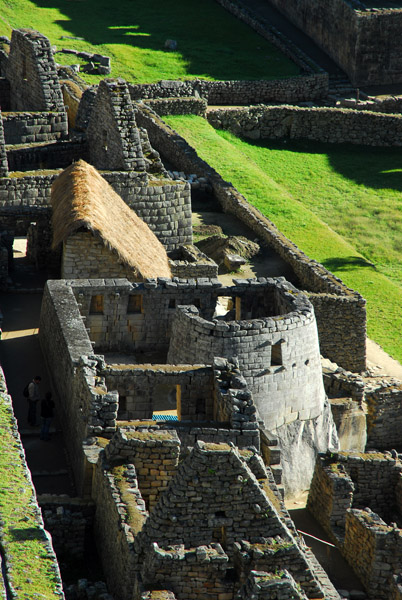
[(212, 44), (31, 568), (294, 189)]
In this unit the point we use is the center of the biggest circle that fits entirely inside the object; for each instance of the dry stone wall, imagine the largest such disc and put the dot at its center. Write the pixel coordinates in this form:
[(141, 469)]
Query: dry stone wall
[(4, 90), (352, 35), (69, 521), (384, 418), (114, 141), (266, 586), (55, 155), (164, 205), (375, 551), (34, 127), (3, 154), (191, 572), (337, 307), (32, 74), (144, 387), (86, 257), (292, 89), (154, 454), (178, 106), (330, 125), (120, 514), (147, 329), (277, 355)]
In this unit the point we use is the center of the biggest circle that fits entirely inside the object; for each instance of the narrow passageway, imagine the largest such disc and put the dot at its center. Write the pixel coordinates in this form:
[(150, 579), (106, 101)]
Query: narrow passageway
[(338, 570), (21, 359)]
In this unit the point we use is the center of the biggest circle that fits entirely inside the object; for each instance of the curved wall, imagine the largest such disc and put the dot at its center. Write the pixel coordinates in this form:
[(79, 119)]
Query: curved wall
[(278, 356)]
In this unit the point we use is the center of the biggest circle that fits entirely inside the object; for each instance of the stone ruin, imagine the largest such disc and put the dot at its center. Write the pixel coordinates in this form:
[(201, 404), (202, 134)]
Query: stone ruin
[(192, 506)]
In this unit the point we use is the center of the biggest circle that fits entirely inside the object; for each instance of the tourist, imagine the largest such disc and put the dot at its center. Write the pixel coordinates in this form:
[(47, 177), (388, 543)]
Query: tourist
[(46, 413), (33, 399)]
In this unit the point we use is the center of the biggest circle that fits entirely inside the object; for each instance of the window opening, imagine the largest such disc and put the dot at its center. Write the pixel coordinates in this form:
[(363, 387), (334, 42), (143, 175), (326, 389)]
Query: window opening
[(276, 354), (167, 403), (96, 306), (134, 305)]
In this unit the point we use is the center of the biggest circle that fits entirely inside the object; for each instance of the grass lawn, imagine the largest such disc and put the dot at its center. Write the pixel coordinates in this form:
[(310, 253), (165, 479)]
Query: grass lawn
[(340, 205), (212, 44), (30, 568)]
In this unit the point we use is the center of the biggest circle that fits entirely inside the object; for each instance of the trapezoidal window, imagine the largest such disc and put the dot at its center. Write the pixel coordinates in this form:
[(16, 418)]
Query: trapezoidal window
[(134, 305), (104, 140), (166, 403), (96, 306), (276, 354)]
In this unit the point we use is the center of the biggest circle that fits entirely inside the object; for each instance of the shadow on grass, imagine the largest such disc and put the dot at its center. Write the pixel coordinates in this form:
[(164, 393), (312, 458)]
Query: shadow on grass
[(28, 533), (376, 168), (212, 42), (347, 264)]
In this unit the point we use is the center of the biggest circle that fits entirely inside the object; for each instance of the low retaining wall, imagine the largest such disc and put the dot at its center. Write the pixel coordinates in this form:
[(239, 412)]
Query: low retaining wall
[(292, 89), (329, 125), (337, 307)]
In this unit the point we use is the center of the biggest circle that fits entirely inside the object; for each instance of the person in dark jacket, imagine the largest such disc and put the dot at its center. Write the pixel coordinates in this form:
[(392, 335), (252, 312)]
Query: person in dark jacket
[(33, 399), (46, 413)]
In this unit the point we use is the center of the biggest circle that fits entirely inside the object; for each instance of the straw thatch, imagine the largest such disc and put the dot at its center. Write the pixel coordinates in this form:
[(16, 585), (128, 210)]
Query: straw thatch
[(81, 198)]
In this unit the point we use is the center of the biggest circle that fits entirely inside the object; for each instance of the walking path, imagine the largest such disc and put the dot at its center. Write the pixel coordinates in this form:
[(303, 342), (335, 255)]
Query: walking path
[(21, 358)]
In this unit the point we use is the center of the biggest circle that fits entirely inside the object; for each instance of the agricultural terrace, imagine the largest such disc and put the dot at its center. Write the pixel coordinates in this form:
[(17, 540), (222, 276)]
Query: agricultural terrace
[(211, 43), (340, 204)]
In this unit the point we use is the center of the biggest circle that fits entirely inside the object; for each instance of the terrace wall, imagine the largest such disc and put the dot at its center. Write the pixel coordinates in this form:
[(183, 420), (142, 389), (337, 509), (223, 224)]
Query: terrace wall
[(338, 309), (292, 89), (352, 36), (329, 125)]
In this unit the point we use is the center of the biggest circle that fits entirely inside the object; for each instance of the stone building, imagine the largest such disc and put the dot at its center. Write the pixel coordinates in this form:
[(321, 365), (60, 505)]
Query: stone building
[(145, 321), (188, 506), (100, 234), (357, 498)]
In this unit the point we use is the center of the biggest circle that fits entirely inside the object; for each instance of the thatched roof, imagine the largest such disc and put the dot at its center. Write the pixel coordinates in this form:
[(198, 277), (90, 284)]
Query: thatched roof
[(81, 198)]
